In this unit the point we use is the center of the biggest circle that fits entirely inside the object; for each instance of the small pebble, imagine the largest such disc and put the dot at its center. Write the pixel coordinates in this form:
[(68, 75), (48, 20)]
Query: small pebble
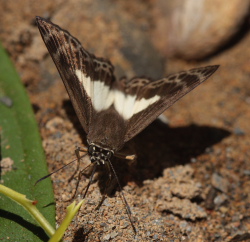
[(183, 224), (238, 131), (113, 235), (220, 182), (220, 199), (106, 237), (246, 172), (155, 236), (223, 209)]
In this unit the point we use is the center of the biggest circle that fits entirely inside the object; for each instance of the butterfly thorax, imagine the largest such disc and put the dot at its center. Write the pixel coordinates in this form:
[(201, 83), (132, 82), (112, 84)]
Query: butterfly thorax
[(99, 155)]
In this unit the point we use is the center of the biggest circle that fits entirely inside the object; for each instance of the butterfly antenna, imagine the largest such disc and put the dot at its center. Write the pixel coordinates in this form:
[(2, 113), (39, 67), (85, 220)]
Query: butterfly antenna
[(123, 198), (55, 171)]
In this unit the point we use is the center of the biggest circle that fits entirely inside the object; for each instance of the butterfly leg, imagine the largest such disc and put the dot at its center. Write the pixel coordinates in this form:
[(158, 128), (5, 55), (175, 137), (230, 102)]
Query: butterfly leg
[(78, 156), (86, 188), (77, 153), (77, 184), (106, 185)]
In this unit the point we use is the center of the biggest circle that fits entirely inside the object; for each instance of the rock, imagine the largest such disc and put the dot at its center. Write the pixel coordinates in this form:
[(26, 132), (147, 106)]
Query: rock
[(193, 29), (220, 182), (220, 199), (188, 190), (182, 207), (238, 131), (209, 202)]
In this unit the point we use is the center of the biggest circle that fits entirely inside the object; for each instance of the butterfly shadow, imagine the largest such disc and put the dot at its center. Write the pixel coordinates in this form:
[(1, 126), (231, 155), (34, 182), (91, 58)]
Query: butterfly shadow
[(160, 146)]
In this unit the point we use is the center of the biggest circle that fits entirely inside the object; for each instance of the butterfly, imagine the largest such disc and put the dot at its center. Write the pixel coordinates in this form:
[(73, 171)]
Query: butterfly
[(112, 111)]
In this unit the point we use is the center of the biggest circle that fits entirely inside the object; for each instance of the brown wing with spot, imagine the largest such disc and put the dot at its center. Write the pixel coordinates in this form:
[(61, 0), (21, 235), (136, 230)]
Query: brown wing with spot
[(170, 90)]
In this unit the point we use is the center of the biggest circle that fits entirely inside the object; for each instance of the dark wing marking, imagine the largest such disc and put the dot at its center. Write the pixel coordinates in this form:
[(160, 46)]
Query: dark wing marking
[(169, 90), (69, 56)]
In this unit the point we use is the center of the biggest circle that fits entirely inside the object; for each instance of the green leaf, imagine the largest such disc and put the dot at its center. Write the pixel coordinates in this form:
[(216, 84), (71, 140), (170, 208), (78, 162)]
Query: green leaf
[(30, 206), (21, 143)]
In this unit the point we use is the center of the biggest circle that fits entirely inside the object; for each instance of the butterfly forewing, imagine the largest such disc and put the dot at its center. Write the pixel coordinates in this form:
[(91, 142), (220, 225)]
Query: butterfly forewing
[(78, 69)]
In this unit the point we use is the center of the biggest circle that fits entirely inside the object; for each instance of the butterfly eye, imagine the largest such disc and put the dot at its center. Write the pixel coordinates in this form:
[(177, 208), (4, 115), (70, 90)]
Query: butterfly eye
[(91, 149)]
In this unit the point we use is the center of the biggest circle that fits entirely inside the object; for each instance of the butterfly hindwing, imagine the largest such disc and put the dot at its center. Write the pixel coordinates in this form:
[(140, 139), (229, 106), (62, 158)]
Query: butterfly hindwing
[(156, 96)]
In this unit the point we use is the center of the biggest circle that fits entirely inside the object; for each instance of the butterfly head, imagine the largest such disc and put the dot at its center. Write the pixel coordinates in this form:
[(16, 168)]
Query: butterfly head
[(99, 155)]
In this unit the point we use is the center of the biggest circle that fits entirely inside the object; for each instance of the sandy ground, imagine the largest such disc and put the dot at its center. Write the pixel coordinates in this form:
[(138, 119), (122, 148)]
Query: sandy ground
[(191, 179)]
